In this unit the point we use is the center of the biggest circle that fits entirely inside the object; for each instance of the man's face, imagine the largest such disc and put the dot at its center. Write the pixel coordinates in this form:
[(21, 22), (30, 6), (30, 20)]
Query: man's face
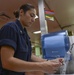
[(28, 18)]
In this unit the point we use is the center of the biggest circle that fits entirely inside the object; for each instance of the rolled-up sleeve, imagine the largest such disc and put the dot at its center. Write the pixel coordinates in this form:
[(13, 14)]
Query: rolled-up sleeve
[(8, 36)]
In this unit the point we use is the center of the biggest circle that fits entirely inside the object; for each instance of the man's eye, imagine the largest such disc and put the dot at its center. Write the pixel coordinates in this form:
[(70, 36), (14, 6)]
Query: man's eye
[(32, 15)]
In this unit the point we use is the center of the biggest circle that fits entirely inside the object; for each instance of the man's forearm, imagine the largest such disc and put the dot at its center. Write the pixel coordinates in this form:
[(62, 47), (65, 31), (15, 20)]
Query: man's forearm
[(22, 66), (37, 59)]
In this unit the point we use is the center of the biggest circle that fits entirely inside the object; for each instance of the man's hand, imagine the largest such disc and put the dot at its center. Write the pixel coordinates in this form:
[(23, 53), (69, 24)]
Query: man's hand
[(51, 66), (60, 60)]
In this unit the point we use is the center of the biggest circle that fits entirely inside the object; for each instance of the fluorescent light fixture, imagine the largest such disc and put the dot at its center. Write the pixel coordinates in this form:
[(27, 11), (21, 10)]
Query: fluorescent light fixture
[(37, 32), (36, 17), (32, 46)]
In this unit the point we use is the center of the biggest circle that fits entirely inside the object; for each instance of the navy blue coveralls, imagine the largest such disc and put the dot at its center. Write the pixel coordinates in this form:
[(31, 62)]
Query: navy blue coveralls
[(13, 34)]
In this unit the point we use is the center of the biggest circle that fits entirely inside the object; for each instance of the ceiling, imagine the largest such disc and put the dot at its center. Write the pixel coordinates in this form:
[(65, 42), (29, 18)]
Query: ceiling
[(63, 14)]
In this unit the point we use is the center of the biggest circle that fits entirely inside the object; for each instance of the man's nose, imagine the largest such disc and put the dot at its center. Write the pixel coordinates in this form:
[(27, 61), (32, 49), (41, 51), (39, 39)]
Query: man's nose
[(33, 19)]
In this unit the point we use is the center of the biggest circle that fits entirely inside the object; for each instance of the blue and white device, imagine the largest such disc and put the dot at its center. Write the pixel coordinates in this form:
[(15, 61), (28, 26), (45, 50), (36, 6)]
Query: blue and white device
[(55, 45)]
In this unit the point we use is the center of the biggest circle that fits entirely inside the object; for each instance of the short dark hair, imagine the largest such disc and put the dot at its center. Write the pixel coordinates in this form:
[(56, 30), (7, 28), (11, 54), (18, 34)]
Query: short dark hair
[(25, 7)]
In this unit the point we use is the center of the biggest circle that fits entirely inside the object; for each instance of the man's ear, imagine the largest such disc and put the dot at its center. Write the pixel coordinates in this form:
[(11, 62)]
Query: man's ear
[(21, 12)]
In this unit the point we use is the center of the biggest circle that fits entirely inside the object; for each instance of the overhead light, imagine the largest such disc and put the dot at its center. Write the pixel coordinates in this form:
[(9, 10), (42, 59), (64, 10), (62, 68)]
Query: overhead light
[(37, 32)]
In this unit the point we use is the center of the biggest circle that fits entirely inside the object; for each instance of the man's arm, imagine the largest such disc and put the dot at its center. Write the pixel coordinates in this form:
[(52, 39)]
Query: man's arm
[(14, 64), (37, 59)]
